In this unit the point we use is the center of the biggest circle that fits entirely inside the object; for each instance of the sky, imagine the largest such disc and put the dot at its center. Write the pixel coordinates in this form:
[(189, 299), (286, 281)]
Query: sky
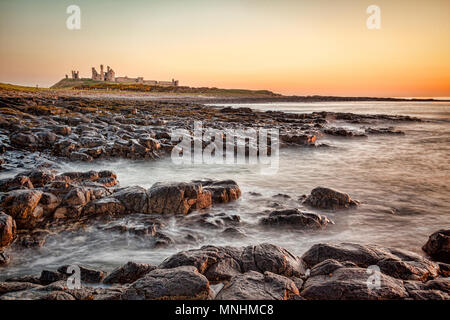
[(288, 46)]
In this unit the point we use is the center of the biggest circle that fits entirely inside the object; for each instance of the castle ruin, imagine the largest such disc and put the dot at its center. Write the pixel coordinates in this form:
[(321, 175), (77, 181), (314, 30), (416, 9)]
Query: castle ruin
[(110, 76)]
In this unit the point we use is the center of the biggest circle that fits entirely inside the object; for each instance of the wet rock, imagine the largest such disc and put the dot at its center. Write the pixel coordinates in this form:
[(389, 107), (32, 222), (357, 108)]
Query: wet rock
[(177, 198), (4, 258), (438, 246), (105, 206), (296, 219), (39, 177), (222, 191), (389, 130), (327, 267), (22, 205), (48, 276), (35, 239), (7, 229), (24, 140), (352, 284), (87, 274), (234, 233), (393, 262), (181, 283), (257, 286), (6, 287), (343, 132), (26, 278), (326, 198), (298, 139), (134, 199), (260, 258), (18, 182), (80, 156), (128, 273)]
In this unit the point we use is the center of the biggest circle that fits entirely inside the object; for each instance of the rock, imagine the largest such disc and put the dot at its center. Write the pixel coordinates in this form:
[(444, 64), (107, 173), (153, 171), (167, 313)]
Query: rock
[(177, 198), (221, 263), (296, 219), (253, 285), (352, 284), (48, 276), (298, 139), (22, 205), (24, 140), (6, 287), (105, 206), (222, 191), (4, 258), (18, 182), (325, 198), (40, 177), (389, 130), (128, 273), (7, 229), (438, 246), (134, 199), (26, 278), (393, 262), (181, 283), (80, 156), (328, 266), (87, 274)]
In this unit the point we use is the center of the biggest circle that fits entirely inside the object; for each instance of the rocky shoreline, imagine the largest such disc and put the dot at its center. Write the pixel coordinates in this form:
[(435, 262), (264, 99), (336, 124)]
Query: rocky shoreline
[(37, 130), (261, 272)]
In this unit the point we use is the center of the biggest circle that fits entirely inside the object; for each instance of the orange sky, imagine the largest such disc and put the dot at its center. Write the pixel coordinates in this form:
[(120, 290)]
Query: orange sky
[(292, 47)]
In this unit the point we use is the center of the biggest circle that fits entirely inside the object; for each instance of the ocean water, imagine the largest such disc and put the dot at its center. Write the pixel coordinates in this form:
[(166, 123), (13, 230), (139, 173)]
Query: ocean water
[(402, 182)]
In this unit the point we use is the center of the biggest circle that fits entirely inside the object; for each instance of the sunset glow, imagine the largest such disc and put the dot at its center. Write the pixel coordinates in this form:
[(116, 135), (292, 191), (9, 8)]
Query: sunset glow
[(291, 47)]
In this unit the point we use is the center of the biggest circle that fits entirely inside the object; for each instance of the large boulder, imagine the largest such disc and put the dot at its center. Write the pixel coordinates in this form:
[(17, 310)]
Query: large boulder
[(222, 263), (181, 283), (134, 199), (222, 191), (352, 284), (22, 205), (253, 285), (397, 263), (128, 273), (177, 198), (296, 219), (7, 229), (326, 198), (438, 246)]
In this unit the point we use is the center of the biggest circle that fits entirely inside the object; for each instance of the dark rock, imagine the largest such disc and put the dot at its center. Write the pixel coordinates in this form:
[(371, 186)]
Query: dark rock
[(4, 258), (326, 198), (260, 258), (128, 273), (177, 198), (257, 286), (87, 274), (22, 205), (6, 287), (181, 283), (222, 191), (18, 182), (7, 229), (352, 284), (296, 219), (438, 246), (48, 276), (393, 262)]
